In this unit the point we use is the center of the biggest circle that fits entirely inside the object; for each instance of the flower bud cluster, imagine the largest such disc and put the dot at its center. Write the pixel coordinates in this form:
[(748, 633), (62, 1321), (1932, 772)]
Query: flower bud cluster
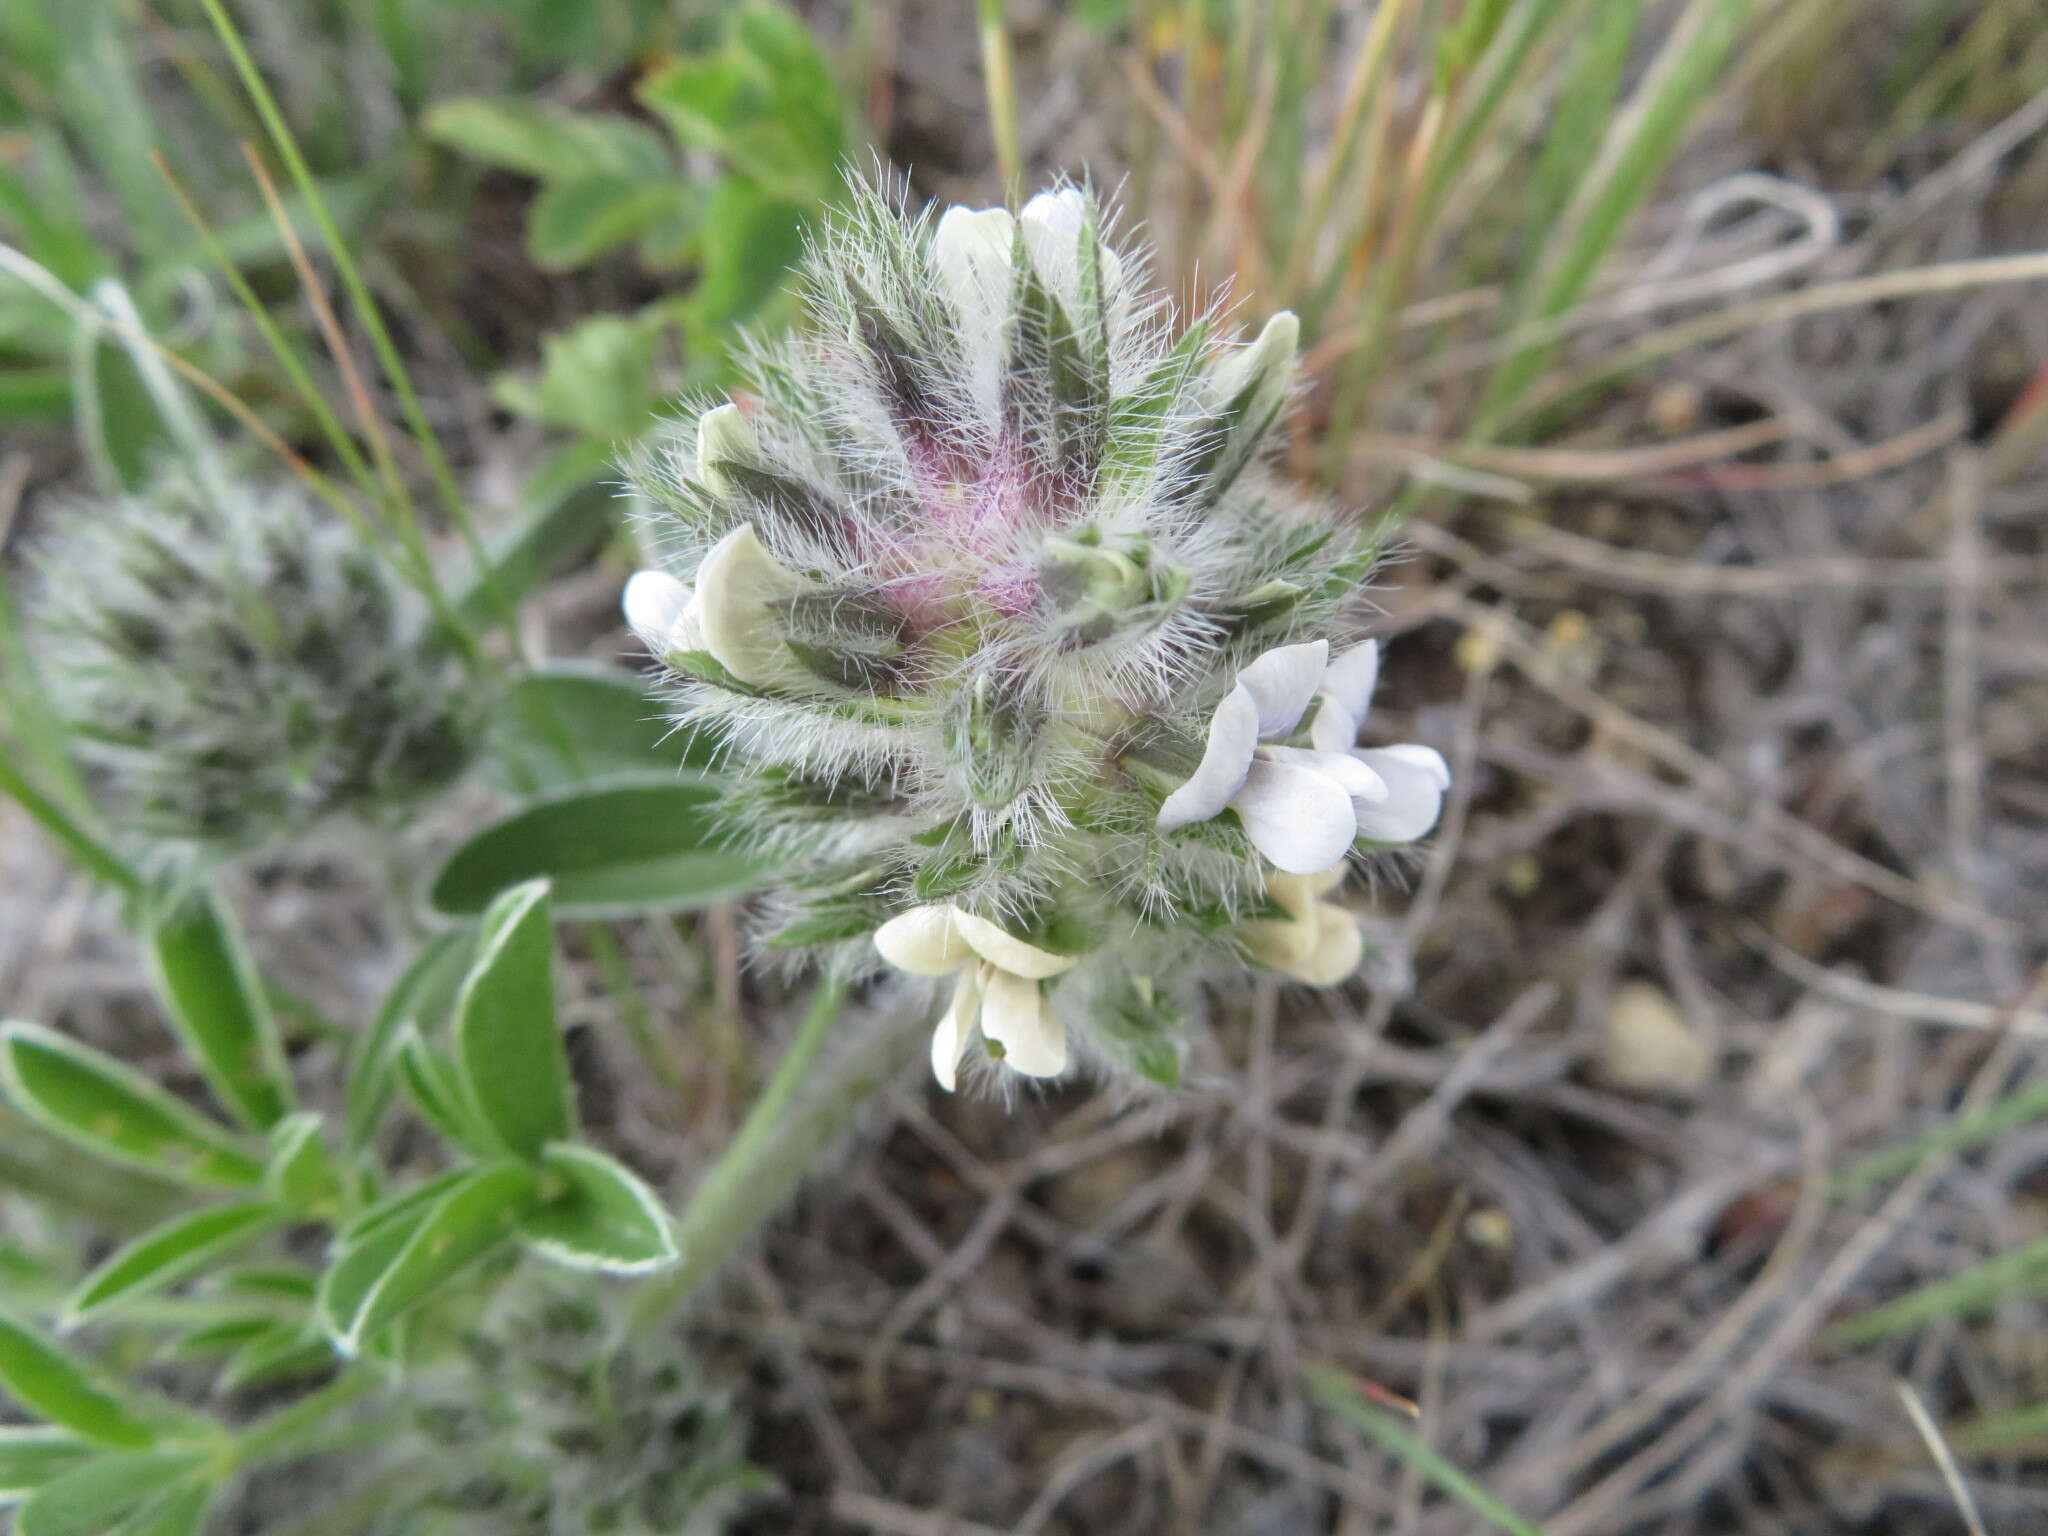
[(1015, 637), (239, 673)]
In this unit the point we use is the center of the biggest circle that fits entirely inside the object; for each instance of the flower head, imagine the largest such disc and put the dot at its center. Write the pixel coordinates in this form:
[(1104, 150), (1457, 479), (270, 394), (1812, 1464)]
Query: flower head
[(240, 672), (962, 574)]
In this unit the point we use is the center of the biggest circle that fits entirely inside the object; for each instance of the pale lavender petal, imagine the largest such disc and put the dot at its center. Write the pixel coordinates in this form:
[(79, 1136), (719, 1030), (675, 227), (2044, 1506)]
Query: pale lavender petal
[(1359, 781), (1283, 681), (1233, 736), (1416, 779), (1351, 677), (1299, 819)]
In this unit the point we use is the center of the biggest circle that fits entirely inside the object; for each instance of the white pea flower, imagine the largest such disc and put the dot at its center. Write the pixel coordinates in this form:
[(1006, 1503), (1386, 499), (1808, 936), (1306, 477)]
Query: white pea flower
[(997, 988), (1415, 776), (1298, 806), (1317, 942)]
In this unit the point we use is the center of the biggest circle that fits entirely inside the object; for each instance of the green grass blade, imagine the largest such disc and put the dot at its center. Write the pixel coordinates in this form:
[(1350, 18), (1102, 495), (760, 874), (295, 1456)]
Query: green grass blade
[(2020, 1271), (1987, 1124), (1635, 154), (1338, 1394), (360, 297)]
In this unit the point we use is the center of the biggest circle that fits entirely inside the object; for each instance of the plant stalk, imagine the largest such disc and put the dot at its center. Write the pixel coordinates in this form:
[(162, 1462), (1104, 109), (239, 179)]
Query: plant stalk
[(778, 1143), (1000, 79)]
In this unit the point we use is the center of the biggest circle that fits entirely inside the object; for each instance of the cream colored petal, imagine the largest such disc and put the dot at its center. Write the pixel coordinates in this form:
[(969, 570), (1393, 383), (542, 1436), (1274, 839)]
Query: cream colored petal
[(1299, 893), (1006, 950), (1300, 820), (924, 941), (1282, 681), (737, 586), (949, 1040), (1282, 943), (1226, 759), (1266, 366), (1015, 1016), (1337, 949), (723, 435)]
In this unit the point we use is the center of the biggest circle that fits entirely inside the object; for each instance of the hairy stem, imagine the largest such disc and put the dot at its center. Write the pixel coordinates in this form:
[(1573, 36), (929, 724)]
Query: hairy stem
[(806, 1105)]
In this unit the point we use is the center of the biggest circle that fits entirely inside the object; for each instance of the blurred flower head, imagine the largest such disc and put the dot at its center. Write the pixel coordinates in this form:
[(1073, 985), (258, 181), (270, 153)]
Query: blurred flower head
[(1015, 636), (239, 673)]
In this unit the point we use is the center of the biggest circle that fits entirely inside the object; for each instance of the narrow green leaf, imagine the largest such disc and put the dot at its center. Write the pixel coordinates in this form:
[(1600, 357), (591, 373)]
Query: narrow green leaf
[(1958, 1135), (300, 1174), (180, 1512), (220, 1337), (361, 1263), (610, 850), (437, 1091), (570, 506), (405, 1208), (473, 1219), (91, 1099), (95, 1498), (596, 1214), (211, 991), (423, 997), (46, 1381), (175, 1251), (506, 1039), (30, 1455)]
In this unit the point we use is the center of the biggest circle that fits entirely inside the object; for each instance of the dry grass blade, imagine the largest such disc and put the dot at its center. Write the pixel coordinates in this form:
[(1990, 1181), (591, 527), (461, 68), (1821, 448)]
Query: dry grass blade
[(1944, 1458)]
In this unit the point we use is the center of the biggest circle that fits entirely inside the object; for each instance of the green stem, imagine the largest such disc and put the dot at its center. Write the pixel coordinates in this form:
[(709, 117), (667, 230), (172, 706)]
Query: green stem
[(776, 1146), (88, 850), (1001, 82), (282, 1433)]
